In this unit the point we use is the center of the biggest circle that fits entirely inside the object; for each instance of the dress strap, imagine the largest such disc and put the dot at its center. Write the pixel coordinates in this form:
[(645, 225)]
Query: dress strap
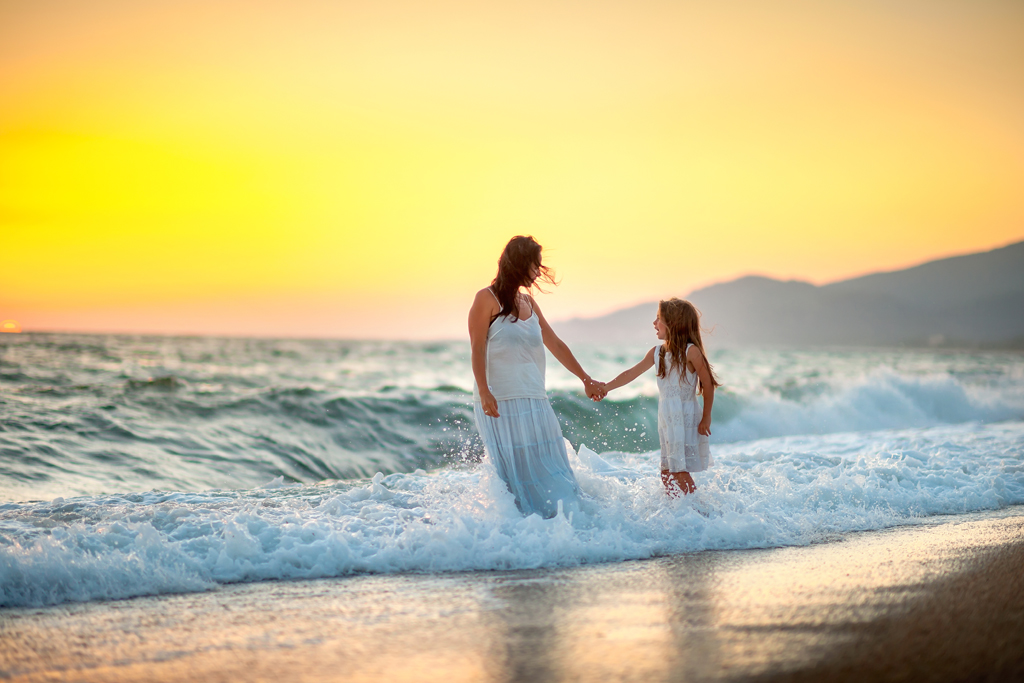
[(525, 301), (494, 295)]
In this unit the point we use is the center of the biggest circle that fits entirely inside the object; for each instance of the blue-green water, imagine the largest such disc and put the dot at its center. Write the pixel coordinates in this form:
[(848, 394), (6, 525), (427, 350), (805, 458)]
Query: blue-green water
[(134, 465)]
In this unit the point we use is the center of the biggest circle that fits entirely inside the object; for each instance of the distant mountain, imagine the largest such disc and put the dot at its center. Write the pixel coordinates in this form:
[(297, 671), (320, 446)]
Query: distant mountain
[(972, 300)]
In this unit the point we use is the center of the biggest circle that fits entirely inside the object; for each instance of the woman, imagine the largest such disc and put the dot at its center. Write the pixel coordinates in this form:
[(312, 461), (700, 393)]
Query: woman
[(521, 434)]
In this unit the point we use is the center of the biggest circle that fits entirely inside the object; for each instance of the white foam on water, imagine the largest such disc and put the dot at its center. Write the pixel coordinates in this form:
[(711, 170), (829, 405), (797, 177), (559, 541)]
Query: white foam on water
[(880, 400), (767, 493)]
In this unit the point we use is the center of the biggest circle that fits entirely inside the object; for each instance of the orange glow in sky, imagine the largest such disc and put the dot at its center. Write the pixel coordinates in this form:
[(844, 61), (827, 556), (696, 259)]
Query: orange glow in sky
[(353, 169)]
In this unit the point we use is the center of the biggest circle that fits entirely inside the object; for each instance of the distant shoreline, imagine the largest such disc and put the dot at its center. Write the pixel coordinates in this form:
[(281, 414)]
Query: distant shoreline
[(970, 301)]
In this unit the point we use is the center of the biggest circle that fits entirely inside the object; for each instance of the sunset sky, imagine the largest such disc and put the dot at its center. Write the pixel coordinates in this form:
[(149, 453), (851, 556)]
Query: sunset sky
[(353, 169)]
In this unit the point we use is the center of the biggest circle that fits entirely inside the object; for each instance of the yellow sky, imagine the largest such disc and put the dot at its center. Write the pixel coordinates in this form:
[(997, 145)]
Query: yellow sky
[(353, 169)]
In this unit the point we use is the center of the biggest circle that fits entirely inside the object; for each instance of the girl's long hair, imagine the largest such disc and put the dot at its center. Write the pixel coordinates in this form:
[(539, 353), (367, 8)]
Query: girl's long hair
[(520, 254), (682, 323)]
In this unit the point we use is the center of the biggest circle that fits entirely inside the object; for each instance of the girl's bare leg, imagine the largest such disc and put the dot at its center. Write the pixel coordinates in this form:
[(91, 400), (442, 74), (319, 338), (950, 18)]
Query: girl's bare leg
[(677, 482), (669, 483)]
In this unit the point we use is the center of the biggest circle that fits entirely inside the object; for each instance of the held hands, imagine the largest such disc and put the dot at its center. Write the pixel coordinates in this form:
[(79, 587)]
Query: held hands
[(595, 390)]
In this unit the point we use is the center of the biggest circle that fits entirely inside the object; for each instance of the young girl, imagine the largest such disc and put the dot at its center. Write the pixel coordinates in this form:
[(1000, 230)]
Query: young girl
[(683, 373)]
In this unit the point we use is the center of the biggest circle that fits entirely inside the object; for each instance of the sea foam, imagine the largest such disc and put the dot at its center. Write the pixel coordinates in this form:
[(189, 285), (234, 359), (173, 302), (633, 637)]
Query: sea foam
[(765, 493)]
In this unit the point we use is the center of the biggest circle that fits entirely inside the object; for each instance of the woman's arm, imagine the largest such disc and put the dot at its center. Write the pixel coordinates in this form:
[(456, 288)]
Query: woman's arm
[(707, 387), (628, 376), (561, 352), (481, 313)]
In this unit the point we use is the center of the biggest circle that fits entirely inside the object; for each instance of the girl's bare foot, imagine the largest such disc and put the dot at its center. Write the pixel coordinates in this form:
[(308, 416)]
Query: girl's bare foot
[(677, 482)]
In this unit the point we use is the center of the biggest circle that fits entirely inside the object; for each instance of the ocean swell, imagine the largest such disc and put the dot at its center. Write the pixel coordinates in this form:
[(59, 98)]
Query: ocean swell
[(878, 400)]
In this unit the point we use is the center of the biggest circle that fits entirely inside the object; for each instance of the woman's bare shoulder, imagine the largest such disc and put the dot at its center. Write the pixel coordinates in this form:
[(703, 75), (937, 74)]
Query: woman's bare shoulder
[(486, 293), (485, 298)]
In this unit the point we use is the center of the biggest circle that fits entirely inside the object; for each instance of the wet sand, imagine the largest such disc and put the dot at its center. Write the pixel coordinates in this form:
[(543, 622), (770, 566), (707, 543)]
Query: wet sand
[(941, 601)]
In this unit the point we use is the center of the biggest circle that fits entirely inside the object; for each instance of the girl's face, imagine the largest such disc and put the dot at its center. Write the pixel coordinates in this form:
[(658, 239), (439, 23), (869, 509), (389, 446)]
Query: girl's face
[(660, 329)]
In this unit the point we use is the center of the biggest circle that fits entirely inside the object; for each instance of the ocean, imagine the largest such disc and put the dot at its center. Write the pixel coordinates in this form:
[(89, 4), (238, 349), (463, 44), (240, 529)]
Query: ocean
[(148, 465)]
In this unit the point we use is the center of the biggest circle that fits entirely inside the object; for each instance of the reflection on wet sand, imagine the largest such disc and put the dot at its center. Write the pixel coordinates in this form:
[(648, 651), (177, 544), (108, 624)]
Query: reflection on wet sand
[(696, 650), (874, 604), (529, 625)]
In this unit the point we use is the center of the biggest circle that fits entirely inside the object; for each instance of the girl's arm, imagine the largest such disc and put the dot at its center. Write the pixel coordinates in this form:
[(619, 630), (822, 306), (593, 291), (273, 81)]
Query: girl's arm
[(628, 376), (696, 359), (483, 310), (561, 352)]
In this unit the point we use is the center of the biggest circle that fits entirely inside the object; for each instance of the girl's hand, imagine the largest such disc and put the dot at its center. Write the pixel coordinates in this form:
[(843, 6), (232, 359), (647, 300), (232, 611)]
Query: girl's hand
[(489, 403), (595, 390), (704, 428)]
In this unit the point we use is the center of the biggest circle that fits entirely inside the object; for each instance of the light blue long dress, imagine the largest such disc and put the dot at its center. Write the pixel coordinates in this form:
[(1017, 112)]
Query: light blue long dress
[(525, 441)]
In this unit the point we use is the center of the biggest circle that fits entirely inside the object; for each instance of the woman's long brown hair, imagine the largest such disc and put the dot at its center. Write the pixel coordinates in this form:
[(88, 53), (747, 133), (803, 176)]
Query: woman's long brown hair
[(682, 323), (520, 254)]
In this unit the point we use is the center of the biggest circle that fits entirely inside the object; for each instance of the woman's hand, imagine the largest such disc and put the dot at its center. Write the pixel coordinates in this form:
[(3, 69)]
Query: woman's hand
[(704, 428), (489, 403)]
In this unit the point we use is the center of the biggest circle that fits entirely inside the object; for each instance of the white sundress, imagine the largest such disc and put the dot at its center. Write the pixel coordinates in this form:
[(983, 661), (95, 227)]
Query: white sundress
[(683, 449), (525, 441)]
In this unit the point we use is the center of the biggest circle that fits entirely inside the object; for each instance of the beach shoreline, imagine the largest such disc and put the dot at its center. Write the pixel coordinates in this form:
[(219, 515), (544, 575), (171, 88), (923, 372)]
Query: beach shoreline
[(939, 600)]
